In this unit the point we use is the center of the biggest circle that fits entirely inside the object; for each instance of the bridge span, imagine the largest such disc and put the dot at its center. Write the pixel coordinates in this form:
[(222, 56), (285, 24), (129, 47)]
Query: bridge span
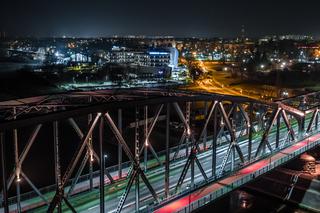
[(181, 149)]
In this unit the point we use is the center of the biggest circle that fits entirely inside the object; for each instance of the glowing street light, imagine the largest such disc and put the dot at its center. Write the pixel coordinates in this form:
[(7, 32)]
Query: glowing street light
[(188, 132)]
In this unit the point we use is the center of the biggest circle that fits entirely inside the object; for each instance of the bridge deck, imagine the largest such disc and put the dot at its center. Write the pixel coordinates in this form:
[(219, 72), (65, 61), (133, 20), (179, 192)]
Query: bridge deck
[(215, 190)]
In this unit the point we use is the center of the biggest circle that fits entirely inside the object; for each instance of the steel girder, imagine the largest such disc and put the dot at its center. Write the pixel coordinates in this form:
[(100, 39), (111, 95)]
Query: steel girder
[(216, 109)]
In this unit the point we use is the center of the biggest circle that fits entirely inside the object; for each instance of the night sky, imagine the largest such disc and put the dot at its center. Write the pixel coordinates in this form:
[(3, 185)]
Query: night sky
[(181, 18)]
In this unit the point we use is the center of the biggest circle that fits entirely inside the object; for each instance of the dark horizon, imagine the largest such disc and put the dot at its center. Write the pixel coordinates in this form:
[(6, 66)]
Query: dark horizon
[(149, 37), (203, 18)]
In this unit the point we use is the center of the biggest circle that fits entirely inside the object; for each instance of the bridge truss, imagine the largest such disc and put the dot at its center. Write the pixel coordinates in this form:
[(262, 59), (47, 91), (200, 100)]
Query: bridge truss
[(191, 124)]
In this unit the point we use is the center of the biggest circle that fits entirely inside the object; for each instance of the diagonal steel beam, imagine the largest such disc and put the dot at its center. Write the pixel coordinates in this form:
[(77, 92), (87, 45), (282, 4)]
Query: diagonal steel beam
[(183, 137), (154, 121), (119, 137), (238, 149), (232, 133), (192, 157), (147, 183), (126, 191), (312, 120), (59, 195), (246, 117), (265, 135), (229, 114), (149, 131), (25, 152), (79, 172), (34, 187), (201, 169), (226, 121), (208, 117), (244, 114), (69, 205), (183, 174), (225, 160), (181, 115), (136, 166), (75, 126), (289, 127)]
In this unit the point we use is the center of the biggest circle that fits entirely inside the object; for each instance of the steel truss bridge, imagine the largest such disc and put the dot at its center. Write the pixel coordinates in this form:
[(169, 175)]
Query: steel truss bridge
[(174, 142)]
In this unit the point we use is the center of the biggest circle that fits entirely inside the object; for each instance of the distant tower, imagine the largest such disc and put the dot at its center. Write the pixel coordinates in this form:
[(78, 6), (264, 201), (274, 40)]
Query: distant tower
[(243, 33)]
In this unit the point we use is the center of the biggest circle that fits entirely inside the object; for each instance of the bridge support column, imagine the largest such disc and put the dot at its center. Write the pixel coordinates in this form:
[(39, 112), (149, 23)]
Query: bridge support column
[(91, 156), (192, 171), (205, 133), (137, 157), (302, 126), (250, 131), (317, 121), (4, 174), (214, 144), (119, 144), (278, 132), (167, 161), (102, 168), (17, 163), (146, 138), (188, 109), (57, 159)]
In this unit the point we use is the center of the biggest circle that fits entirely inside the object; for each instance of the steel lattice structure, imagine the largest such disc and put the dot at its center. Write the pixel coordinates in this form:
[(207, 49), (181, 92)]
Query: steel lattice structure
[(226, 120)]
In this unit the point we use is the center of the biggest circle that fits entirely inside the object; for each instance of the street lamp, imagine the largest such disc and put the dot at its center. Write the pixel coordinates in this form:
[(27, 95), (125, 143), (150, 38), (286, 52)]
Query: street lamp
[(105, 156)]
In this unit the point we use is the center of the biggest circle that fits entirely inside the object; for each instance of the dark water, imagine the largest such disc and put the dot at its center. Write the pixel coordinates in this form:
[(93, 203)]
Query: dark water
[(243, 201)]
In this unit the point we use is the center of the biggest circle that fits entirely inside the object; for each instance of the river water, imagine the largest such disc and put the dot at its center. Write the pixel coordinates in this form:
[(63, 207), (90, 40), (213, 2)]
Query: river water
[(243, 201)]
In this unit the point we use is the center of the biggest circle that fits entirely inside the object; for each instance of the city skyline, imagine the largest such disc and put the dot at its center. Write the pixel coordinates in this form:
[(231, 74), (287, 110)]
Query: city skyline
[(179, 18)]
